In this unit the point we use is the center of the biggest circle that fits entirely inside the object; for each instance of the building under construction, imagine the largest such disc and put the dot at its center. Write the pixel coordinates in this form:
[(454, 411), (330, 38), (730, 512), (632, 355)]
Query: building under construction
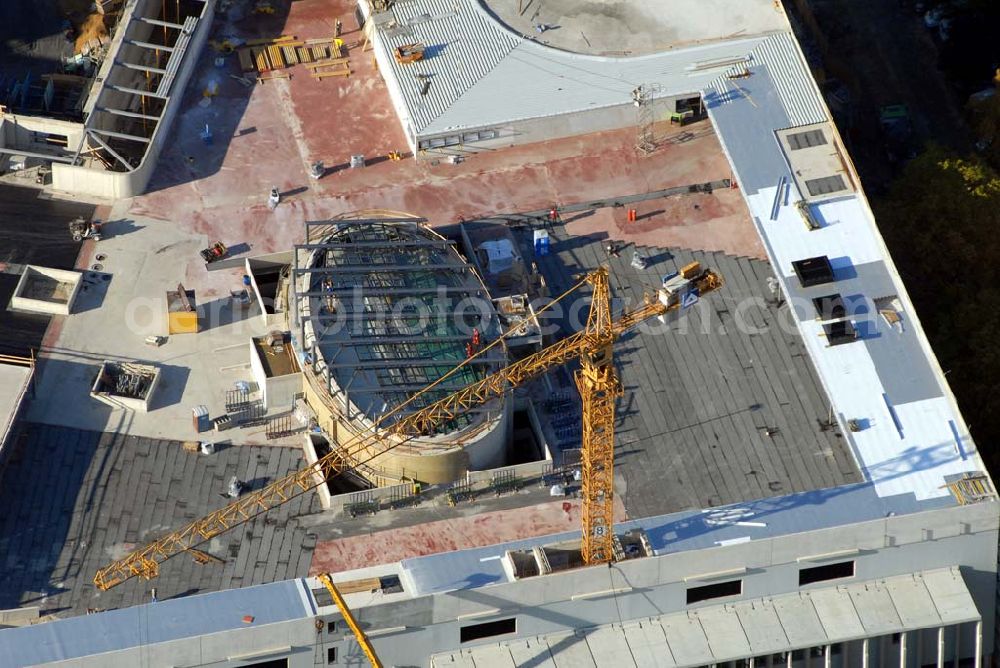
[(384, 308), (93, 121), (753, 462)]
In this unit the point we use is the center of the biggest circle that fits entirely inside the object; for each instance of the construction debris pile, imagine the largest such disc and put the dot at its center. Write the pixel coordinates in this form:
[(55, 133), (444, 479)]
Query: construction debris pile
[(127, 385)]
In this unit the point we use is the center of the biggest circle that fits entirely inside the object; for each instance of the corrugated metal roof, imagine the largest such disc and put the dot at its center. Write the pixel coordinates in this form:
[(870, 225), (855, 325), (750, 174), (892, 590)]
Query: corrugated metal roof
[(724, 632), (462, 44), (789, 79), (793, 81), (535, 81), (483, 75)]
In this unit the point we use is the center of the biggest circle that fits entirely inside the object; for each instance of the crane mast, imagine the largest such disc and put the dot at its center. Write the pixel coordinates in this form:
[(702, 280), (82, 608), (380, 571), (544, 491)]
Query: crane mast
[(598, 384)]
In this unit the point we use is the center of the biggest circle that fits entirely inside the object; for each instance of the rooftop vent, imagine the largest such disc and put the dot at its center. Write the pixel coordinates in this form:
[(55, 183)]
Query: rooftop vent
[(839, 332), (813, 271), (830, 307)]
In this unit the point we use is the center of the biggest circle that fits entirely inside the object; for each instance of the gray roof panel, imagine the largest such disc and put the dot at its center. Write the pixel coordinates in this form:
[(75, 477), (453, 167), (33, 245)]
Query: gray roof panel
[(176, 619)]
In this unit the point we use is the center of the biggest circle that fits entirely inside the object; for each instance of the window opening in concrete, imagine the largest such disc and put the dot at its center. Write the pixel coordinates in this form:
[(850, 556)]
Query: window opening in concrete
[(826, 185), (322, 597), (273, 663), (331, 655), (488, 629), (841, 569), (716, 590), (525, 444), (331, 626), (688, 104), (806, 139)]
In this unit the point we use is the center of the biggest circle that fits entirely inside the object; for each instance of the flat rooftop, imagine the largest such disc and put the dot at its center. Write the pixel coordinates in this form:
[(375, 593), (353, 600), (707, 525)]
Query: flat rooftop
[(723, 407), (636, 27), (76, 499), (33, 230), (733, 417), (484, 76), (875, 363), (14, 380)]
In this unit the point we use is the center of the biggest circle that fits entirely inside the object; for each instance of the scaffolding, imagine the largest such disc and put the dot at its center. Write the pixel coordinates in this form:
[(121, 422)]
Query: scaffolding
[(644, 97)]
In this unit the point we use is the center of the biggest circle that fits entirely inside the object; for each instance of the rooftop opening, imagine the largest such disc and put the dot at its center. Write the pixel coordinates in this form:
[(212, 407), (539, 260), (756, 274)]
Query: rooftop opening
[(835, 571), (126, 384), (830, 307), (716, 590), (817, 165), (813, 271), (839, 332), (46, 290), (275, 354), (488, 629)]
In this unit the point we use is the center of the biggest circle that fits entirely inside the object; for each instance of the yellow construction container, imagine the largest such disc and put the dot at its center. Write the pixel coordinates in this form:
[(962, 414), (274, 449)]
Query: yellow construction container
[(182, 313)]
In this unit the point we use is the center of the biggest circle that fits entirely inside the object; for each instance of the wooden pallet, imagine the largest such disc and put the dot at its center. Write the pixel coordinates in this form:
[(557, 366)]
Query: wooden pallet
[(267, 55), (336, 73), (327, 62)]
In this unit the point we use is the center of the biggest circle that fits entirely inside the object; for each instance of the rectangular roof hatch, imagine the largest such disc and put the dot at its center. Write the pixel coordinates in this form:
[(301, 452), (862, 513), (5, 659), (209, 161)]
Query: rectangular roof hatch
[(813, 271)]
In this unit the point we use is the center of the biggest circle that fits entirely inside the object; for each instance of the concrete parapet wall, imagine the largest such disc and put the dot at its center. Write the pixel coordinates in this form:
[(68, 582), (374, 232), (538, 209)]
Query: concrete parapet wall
[(340, 501), (120, 185), (520, 471), (31, 293)]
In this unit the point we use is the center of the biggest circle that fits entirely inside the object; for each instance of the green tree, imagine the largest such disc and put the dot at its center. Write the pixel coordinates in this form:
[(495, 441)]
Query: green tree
[(941, 221)]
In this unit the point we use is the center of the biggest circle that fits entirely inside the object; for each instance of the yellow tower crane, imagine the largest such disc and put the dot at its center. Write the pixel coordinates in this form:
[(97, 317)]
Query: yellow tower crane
[(359, 633), (597, 381)]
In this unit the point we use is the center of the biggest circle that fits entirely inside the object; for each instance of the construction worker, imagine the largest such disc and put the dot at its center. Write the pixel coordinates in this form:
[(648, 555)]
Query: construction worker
[(273, 198), (475, 338)]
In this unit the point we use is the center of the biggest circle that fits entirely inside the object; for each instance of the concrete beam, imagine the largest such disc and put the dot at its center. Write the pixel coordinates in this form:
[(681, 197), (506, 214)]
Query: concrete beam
[(43, 156), (333, 245), (393, 363), (133, 91), (147, 45), (128, 114), (158, 22), (375, 268), (141, 68), (110, 150), (394, 292), (119, 135)]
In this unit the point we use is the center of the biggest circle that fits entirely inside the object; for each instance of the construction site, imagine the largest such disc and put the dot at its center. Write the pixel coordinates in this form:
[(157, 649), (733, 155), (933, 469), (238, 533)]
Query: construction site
[(475, 333)]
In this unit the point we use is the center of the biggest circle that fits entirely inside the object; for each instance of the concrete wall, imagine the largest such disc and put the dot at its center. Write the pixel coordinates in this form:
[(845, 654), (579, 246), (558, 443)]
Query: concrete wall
[(280, 392), (19, 132), (384, 65), (566, 125), (268, 263), (964, 536), (407, 632), (231, 649), (276, 391), (118, 185), (22, 301)]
